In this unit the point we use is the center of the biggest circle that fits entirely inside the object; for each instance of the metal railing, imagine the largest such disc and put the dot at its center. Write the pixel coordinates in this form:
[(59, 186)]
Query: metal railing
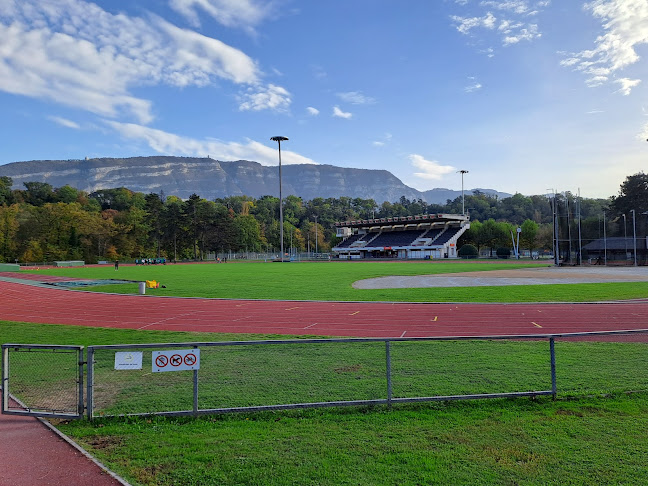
[(237, 376)]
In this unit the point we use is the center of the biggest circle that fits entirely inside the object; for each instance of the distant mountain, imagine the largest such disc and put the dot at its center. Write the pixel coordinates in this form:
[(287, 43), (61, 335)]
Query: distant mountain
[(441, 195), (209, 178)]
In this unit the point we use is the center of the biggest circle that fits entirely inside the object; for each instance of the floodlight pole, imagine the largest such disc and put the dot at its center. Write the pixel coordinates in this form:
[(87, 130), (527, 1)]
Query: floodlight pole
[(315, 235), (604, 241), (625, 236), (634, 233), (463, 199), (280, 139)]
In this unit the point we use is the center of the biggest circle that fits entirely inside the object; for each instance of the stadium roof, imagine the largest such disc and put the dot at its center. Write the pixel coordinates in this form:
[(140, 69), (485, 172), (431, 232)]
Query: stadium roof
[(423, 218)]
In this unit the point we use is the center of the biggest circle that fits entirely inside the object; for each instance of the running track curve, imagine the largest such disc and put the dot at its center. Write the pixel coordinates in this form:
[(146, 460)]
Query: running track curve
[(28, 303)]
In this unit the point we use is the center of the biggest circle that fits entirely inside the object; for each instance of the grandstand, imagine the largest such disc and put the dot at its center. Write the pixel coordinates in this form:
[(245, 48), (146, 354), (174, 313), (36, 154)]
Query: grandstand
[(408, 237)]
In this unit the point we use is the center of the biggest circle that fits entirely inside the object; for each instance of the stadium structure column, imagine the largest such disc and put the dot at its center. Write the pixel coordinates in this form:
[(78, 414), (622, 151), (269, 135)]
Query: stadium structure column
[(280, 139)]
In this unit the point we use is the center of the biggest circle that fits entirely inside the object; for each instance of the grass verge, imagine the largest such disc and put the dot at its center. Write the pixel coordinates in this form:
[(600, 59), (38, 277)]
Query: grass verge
[(594, 436)]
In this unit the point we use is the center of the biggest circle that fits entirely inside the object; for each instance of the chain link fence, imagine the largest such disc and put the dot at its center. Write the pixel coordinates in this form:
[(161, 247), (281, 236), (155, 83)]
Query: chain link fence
[(45, 380), (305, 373)]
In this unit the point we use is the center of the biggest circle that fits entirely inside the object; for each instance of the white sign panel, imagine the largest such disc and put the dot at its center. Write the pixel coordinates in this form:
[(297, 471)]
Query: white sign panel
[(177, 360), (128, 360)]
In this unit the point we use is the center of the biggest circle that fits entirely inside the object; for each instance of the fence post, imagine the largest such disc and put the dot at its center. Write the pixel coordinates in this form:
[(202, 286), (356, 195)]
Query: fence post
[(388, 372), (552, 351), (80, 382), (90, 385), (5, 379), (195, 390)]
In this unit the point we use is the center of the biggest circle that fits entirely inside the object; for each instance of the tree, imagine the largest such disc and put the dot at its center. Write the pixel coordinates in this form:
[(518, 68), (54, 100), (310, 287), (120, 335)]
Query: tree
[(38, 193), (5, 190), (8, 230), (528, 234)]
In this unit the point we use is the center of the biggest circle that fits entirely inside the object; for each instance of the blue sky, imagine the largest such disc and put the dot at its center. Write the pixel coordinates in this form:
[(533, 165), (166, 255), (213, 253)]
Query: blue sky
[(526, 95)]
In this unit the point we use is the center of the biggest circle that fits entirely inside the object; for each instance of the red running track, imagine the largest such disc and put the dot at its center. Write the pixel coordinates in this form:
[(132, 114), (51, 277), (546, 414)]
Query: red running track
[(367, 319)]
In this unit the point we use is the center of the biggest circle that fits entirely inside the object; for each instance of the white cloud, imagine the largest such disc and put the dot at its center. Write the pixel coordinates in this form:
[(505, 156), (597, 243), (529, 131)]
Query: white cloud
[(625, 23), (356, 98), (515, 6), (430, 169), (312, 111), (259, 98), (473, 86), (230, 13), (627, 85), (169, 143), (341, 114), (64, 122), (509, 22), (524, 34), (643, 135), (77, 54), (466, 24), (385, 140)]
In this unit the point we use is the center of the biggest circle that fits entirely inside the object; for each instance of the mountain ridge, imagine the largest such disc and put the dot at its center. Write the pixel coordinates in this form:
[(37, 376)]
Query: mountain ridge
[(211, 178)]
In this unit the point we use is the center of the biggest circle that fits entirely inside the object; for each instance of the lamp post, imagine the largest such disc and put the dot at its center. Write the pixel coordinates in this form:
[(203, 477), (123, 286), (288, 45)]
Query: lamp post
[(625, 237), (280, 139), (463, 200), (315, 235), (634, 235)]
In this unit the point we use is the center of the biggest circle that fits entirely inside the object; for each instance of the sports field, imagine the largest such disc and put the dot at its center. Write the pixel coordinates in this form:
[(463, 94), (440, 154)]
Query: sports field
[(593, 434), (334, 281)]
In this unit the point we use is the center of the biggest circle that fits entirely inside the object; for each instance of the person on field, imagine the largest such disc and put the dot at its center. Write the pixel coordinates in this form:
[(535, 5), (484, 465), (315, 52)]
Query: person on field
[(116, 265)]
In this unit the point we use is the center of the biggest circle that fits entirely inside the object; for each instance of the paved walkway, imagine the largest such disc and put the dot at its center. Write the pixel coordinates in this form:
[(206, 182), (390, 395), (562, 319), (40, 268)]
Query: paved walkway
[(33, 455)]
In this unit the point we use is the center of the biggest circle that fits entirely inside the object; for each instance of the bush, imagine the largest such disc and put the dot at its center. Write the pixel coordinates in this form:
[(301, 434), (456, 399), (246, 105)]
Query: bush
[(468, 251), (503, 252)]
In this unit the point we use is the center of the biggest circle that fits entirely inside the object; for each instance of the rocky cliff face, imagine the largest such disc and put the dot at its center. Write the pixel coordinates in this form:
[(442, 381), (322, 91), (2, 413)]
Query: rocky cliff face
[(209, 178)]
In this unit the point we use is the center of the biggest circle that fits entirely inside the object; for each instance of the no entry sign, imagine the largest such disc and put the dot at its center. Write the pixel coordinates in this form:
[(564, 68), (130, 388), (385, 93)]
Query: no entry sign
[(176, 360)]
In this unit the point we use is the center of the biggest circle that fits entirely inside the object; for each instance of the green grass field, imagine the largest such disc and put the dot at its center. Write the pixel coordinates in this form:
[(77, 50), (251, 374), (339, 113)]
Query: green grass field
[(593, 434), (333, 281)]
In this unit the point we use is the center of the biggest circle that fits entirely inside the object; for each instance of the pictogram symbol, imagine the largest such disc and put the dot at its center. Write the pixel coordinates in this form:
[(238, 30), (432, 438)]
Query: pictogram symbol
[(161, 361), (176, 360), (190, 359)]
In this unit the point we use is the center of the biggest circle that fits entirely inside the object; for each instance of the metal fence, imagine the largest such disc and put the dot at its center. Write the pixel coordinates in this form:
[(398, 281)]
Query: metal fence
[(215, 377), (46, 380)]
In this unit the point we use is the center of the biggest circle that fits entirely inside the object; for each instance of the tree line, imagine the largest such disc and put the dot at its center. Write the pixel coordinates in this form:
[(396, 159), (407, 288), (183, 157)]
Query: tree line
[(42, 223)]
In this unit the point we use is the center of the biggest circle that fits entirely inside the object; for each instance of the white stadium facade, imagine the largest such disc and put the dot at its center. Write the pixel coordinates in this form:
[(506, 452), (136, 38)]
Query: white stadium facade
[(427, 236)]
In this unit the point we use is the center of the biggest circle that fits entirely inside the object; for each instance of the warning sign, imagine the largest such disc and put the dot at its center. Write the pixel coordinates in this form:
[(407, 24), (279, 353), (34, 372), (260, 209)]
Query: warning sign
[(176, 360), (131, 360)]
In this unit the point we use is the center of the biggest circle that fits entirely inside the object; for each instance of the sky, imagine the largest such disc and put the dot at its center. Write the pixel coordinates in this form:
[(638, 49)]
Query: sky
[(528, 96)]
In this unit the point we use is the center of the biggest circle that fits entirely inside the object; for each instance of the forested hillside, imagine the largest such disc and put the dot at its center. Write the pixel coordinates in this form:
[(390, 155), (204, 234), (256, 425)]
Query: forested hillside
[(41, 223)]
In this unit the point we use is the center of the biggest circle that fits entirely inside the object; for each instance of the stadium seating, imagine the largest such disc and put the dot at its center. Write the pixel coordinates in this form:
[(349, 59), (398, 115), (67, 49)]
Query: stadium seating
[(350, 240), (446, 236), (396, 238)]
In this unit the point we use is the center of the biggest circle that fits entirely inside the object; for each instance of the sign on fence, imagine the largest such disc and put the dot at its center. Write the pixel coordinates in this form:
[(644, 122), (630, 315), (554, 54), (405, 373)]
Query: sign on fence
[(176, 360), (130, 360)]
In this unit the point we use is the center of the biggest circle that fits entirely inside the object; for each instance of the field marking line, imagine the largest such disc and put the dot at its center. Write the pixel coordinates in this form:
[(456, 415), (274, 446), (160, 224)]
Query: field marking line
[(354, 313), (241, 318), (536, 325), (292, 308), (164, 320), (308, 327), (403, 335)]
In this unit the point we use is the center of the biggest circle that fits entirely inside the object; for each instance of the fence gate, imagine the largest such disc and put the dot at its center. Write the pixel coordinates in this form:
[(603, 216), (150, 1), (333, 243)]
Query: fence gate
[(42, 380)]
